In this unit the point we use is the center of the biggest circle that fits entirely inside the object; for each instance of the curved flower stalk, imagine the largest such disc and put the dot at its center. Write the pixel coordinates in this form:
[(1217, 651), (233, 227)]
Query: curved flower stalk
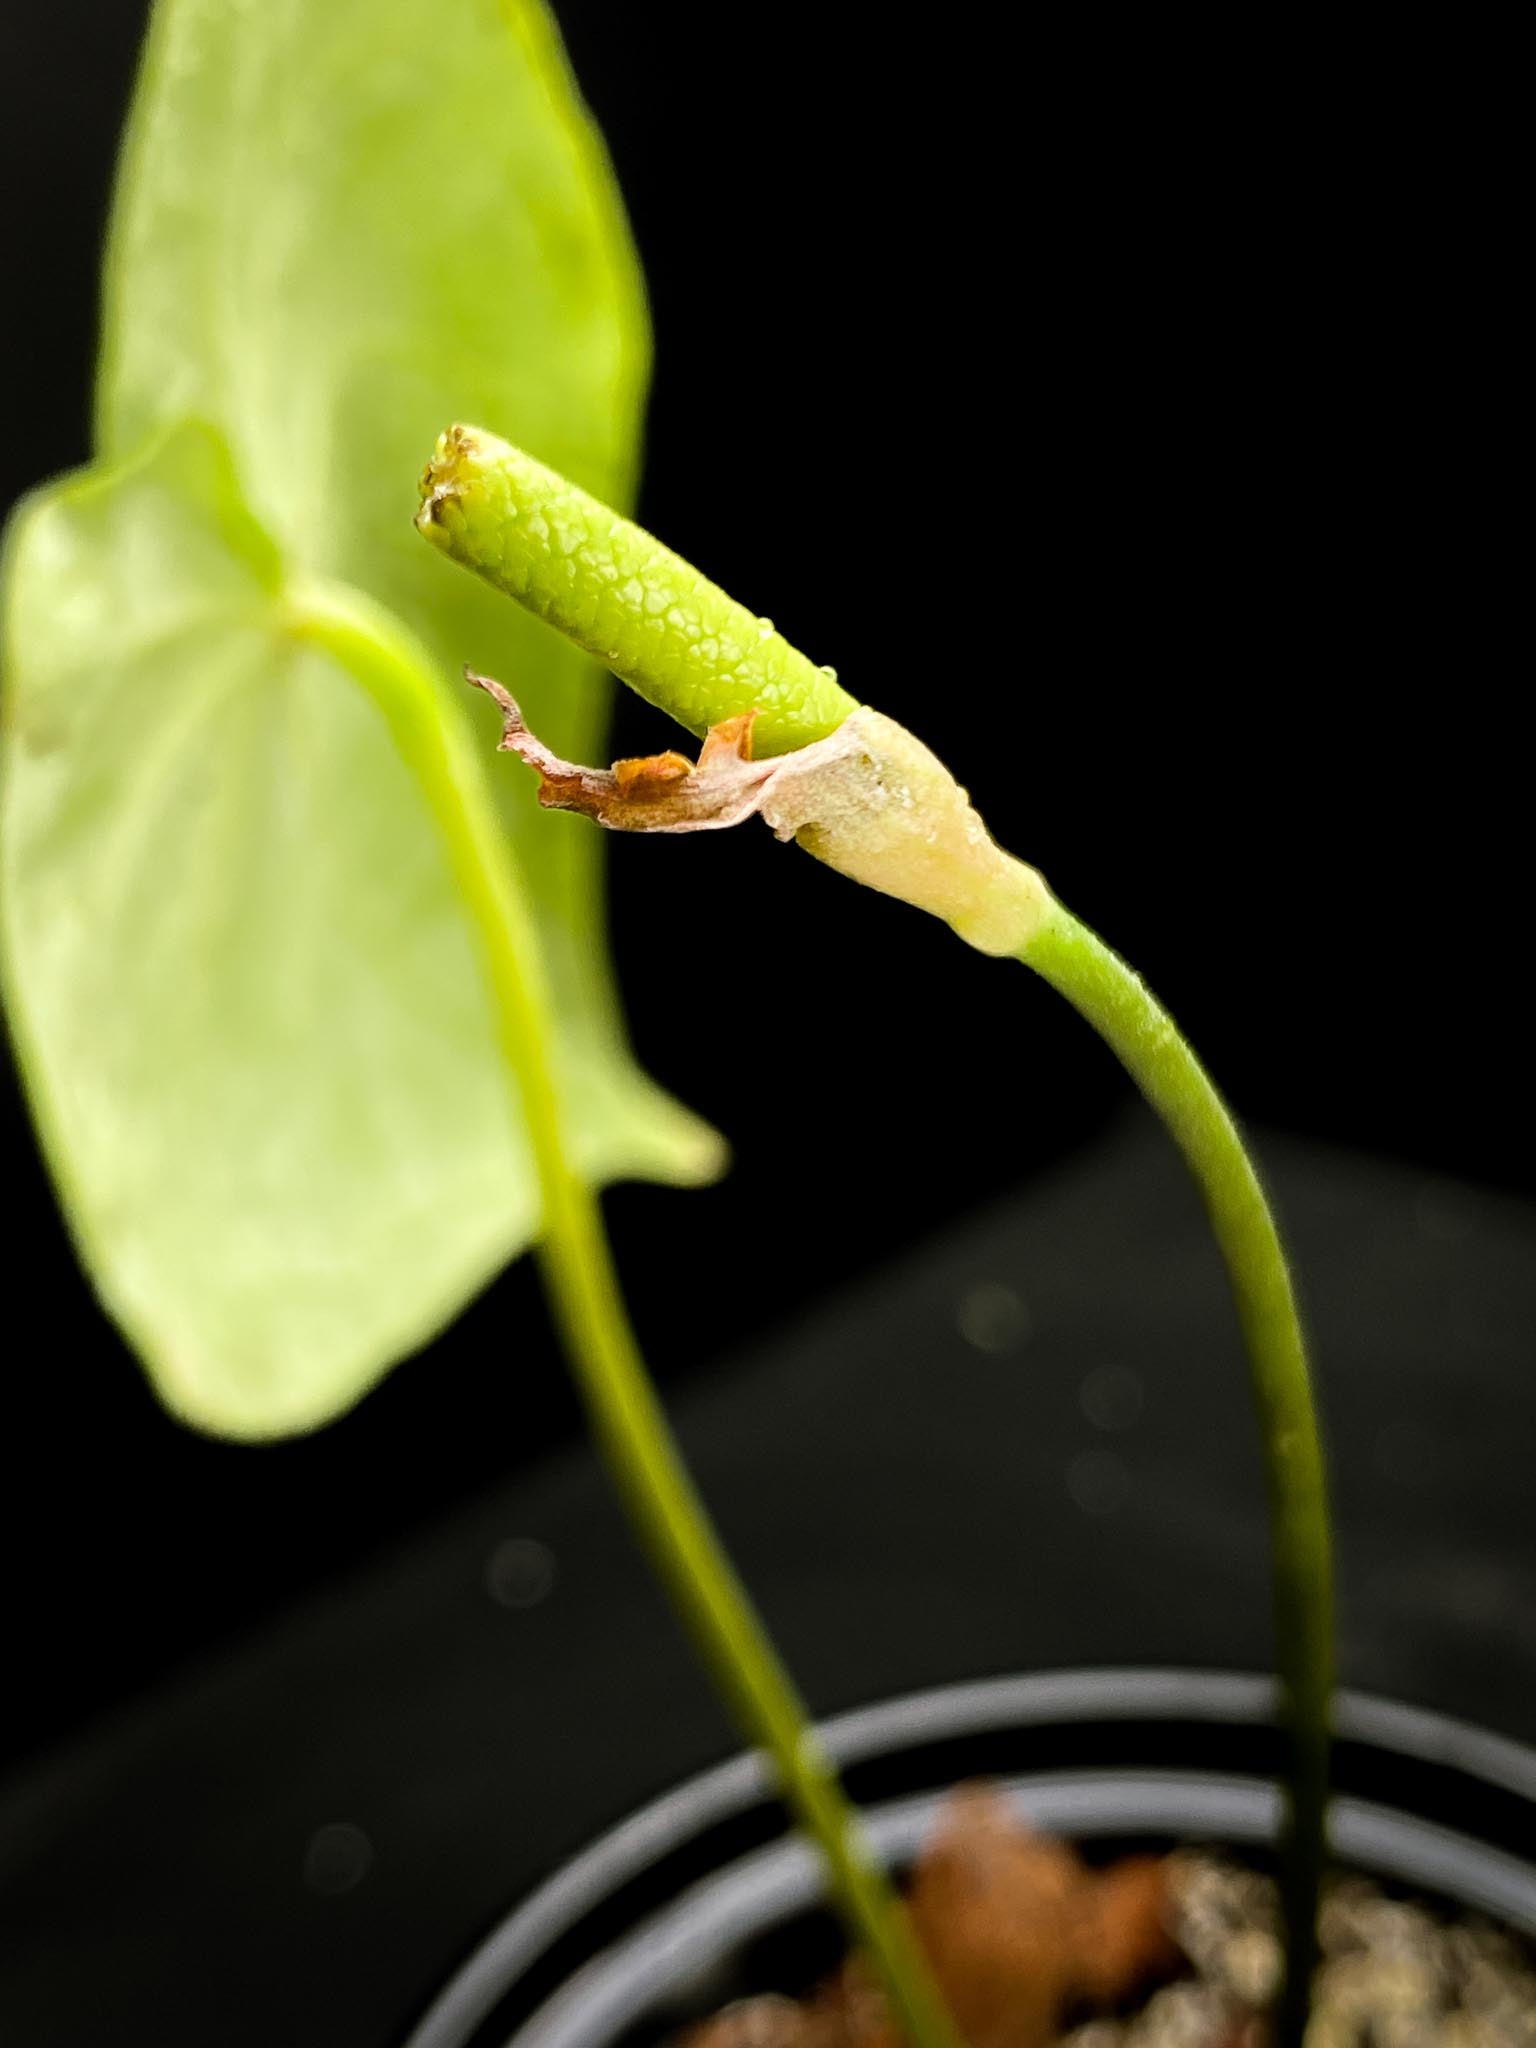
[(784, 741)]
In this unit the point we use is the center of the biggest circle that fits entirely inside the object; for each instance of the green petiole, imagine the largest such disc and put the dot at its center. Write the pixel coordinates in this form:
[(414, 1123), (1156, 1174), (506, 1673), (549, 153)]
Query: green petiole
[(627, 1417)]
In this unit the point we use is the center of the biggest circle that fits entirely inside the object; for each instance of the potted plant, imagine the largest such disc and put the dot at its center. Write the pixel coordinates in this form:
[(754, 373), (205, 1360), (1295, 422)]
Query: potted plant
[(241, 792)]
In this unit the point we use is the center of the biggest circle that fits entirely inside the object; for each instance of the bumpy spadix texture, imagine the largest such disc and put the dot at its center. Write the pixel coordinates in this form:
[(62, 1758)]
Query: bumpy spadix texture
[(612, 588), (249, 1000)]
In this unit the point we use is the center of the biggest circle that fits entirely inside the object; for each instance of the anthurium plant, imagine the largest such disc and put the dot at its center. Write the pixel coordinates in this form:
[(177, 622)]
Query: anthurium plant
[(304, 989)]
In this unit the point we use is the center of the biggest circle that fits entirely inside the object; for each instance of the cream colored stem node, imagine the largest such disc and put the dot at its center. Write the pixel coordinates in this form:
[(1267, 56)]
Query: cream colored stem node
[(880, 807)]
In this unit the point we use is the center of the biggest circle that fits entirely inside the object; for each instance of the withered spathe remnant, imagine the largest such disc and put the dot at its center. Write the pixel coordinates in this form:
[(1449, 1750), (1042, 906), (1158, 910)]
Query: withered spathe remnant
[(869, 800)]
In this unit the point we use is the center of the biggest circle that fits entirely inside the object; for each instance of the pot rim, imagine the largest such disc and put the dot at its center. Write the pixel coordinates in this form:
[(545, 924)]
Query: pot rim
[(967, 1707)]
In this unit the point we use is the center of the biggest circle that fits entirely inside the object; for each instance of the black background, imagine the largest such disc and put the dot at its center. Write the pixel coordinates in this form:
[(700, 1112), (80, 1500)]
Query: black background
[(1186, 348)]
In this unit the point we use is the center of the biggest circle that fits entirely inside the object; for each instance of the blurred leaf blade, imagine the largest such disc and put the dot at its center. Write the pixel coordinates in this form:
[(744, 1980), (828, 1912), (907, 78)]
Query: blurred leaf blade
[(248, 1005), (384, 217)]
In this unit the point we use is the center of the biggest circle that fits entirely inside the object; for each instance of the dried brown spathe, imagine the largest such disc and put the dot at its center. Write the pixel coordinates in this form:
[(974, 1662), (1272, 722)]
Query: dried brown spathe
[(869, 800), (657, 793)]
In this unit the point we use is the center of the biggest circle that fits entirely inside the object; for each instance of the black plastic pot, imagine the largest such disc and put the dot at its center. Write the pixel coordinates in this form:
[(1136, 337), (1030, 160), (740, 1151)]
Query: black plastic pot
[(702, 1896)]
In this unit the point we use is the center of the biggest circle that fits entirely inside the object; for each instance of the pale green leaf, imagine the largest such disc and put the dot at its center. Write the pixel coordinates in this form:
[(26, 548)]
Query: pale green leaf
[(247, 1001)]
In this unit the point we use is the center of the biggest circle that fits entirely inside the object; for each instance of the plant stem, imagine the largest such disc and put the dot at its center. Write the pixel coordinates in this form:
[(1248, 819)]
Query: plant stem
[(1119, 1006), (627, 1417), (633, 1431)]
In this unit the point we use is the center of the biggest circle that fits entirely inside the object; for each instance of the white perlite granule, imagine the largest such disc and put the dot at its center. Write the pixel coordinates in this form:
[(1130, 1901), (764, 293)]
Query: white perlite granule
[(1394, 1973)]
